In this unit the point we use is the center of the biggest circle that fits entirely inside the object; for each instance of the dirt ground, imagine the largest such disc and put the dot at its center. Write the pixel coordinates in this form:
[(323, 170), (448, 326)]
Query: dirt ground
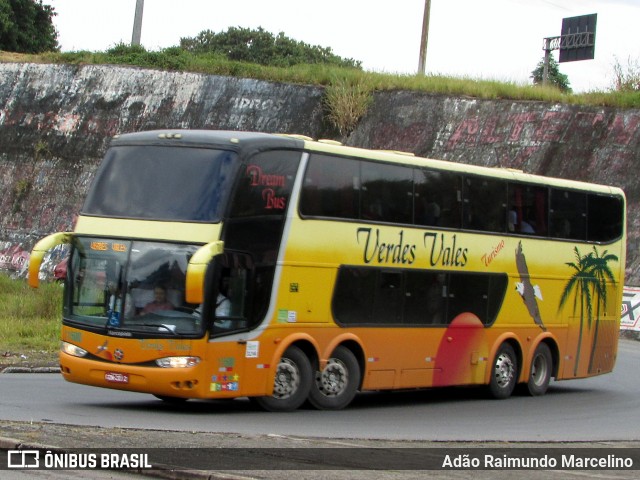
[(27, 361)]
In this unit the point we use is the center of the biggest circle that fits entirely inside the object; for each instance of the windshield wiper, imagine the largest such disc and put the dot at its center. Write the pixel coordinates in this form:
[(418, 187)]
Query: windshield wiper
[(159, 326)]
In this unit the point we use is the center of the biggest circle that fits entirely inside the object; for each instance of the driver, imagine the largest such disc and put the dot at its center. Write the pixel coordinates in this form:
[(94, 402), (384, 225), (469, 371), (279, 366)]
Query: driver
[(159, 302)]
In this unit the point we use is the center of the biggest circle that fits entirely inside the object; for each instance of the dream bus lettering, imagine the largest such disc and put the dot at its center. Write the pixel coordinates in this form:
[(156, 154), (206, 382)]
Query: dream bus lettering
[(269, 181), (261, 179)]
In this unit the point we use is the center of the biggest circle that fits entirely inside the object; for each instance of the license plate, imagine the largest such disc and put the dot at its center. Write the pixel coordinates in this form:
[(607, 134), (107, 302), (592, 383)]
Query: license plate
[(115, 377)]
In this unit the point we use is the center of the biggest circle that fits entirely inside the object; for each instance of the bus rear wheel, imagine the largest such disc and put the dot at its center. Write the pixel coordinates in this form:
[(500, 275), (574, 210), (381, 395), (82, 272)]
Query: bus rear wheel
[(336, 385), (504, 372), (541, 368), (292, 382)]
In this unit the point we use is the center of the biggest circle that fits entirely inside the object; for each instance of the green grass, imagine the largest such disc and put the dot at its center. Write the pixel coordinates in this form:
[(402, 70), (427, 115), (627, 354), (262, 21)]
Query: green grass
[(29, 318), (176, 59)]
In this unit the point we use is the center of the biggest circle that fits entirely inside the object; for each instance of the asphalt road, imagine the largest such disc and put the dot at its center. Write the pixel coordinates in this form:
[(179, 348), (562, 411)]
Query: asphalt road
[(599, 408)]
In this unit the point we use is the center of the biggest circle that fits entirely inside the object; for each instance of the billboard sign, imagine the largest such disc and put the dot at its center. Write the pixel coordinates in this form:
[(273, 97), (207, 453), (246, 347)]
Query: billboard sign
[(578, 38)]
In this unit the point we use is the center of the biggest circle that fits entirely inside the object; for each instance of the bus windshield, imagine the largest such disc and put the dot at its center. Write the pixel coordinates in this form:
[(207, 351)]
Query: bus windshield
[(162, 183), (132, 285)]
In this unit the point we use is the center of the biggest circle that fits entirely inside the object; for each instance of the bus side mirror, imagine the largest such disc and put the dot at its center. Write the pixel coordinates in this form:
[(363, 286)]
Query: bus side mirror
[(196, 270), (37, 254)]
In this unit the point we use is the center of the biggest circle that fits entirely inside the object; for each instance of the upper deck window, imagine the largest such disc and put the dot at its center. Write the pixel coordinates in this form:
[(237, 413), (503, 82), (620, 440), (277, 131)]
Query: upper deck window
[(377, 192), (162, 183)]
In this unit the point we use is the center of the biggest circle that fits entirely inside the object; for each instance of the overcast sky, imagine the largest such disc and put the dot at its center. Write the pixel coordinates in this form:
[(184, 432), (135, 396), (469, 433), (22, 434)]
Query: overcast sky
[(488, 39)]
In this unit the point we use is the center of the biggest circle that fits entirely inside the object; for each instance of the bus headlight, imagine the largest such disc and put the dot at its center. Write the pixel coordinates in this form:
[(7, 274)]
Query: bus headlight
[(178, 362), (73, 350)]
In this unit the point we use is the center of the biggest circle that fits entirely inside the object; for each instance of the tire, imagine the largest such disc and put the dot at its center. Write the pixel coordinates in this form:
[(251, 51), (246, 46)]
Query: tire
[(541, 370), (292, 382), (335, 387), (504, 372)]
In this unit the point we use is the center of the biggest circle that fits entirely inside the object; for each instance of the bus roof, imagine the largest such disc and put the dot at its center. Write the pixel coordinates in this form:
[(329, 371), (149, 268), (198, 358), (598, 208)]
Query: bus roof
[(257, 141)]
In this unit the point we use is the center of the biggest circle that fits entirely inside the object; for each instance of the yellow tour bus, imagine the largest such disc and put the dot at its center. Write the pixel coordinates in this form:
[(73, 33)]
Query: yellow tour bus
[(221, 264)]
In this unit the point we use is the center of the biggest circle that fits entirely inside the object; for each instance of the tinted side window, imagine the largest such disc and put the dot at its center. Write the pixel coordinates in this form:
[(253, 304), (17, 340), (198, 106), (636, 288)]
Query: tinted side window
[(388, 298), (387, 193), (568, 213), (479, 294), (425, 298), (438, 198), (331, 187), (370, 296), (605, 217), (527, 209), (258, 214), (265, 184), (485, 204), (352, 298)]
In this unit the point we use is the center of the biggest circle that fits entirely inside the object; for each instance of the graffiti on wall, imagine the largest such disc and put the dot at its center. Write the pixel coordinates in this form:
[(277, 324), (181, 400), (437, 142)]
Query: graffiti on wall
[(13, 259), (630, 319)]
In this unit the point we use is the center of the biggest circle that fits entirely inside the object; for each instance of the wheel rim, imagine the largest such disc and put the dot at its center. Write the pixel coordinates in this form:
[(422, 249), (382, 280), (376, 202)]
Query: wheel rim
[(287, 379), (334, 379), (504, 370), (539, 370)]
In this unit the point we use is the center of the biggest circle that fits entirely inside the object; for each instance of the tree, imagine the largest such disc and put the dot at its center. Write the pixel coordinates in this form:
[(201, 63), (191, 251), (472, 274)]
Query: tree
[(26, 26), (555, 78), (260, 46)]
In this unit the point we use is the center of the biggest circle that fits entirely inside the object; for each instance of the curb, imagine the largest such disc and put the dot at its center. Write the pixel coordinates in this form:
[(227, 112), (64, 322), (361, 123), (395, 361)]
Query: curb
[(30, 370)]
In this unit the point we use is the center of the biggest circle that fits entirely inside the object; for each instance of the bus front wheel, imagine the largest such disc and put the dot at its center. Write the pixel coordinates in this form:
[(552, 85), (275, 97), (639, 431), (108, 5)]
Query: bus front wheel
[(335, 386), (541, 367), (292, 382), (504, 372)]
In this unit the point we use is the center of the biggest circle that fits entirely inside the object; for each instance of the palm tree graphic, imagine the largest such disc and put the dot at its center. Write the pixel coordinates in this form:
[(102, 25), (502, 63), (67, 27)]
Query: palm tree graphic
[(602, 274), (590, 275)]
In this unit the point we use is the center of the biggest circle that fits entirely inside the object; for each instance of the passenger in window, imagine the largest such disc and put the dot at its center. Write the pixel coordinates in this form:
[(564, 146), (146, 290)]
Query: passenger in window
[(527, 227), (520, 226), (432, 213), (223, 304), (159, 302), (374, 211), (512, 220)]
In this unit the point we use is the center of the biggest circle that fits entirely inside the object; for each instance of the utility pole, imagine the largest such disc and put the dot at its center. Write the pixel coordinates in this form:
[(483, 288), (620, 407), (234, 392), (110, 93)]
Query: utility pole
[(137, 23), (547, 54), (422, 62)]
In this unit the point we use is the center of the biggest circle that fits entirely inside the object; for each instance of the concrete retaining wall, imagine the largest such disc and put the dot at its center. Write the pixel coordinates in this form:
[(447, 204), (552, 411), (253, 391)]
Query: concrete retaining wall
[(56, 121)]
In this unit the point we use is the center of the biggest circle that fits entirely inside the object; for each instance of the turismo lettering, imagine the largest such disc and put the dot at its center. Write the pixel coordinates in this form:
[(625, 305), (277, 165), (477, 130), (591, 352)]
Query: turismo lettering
[(487, 258)]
